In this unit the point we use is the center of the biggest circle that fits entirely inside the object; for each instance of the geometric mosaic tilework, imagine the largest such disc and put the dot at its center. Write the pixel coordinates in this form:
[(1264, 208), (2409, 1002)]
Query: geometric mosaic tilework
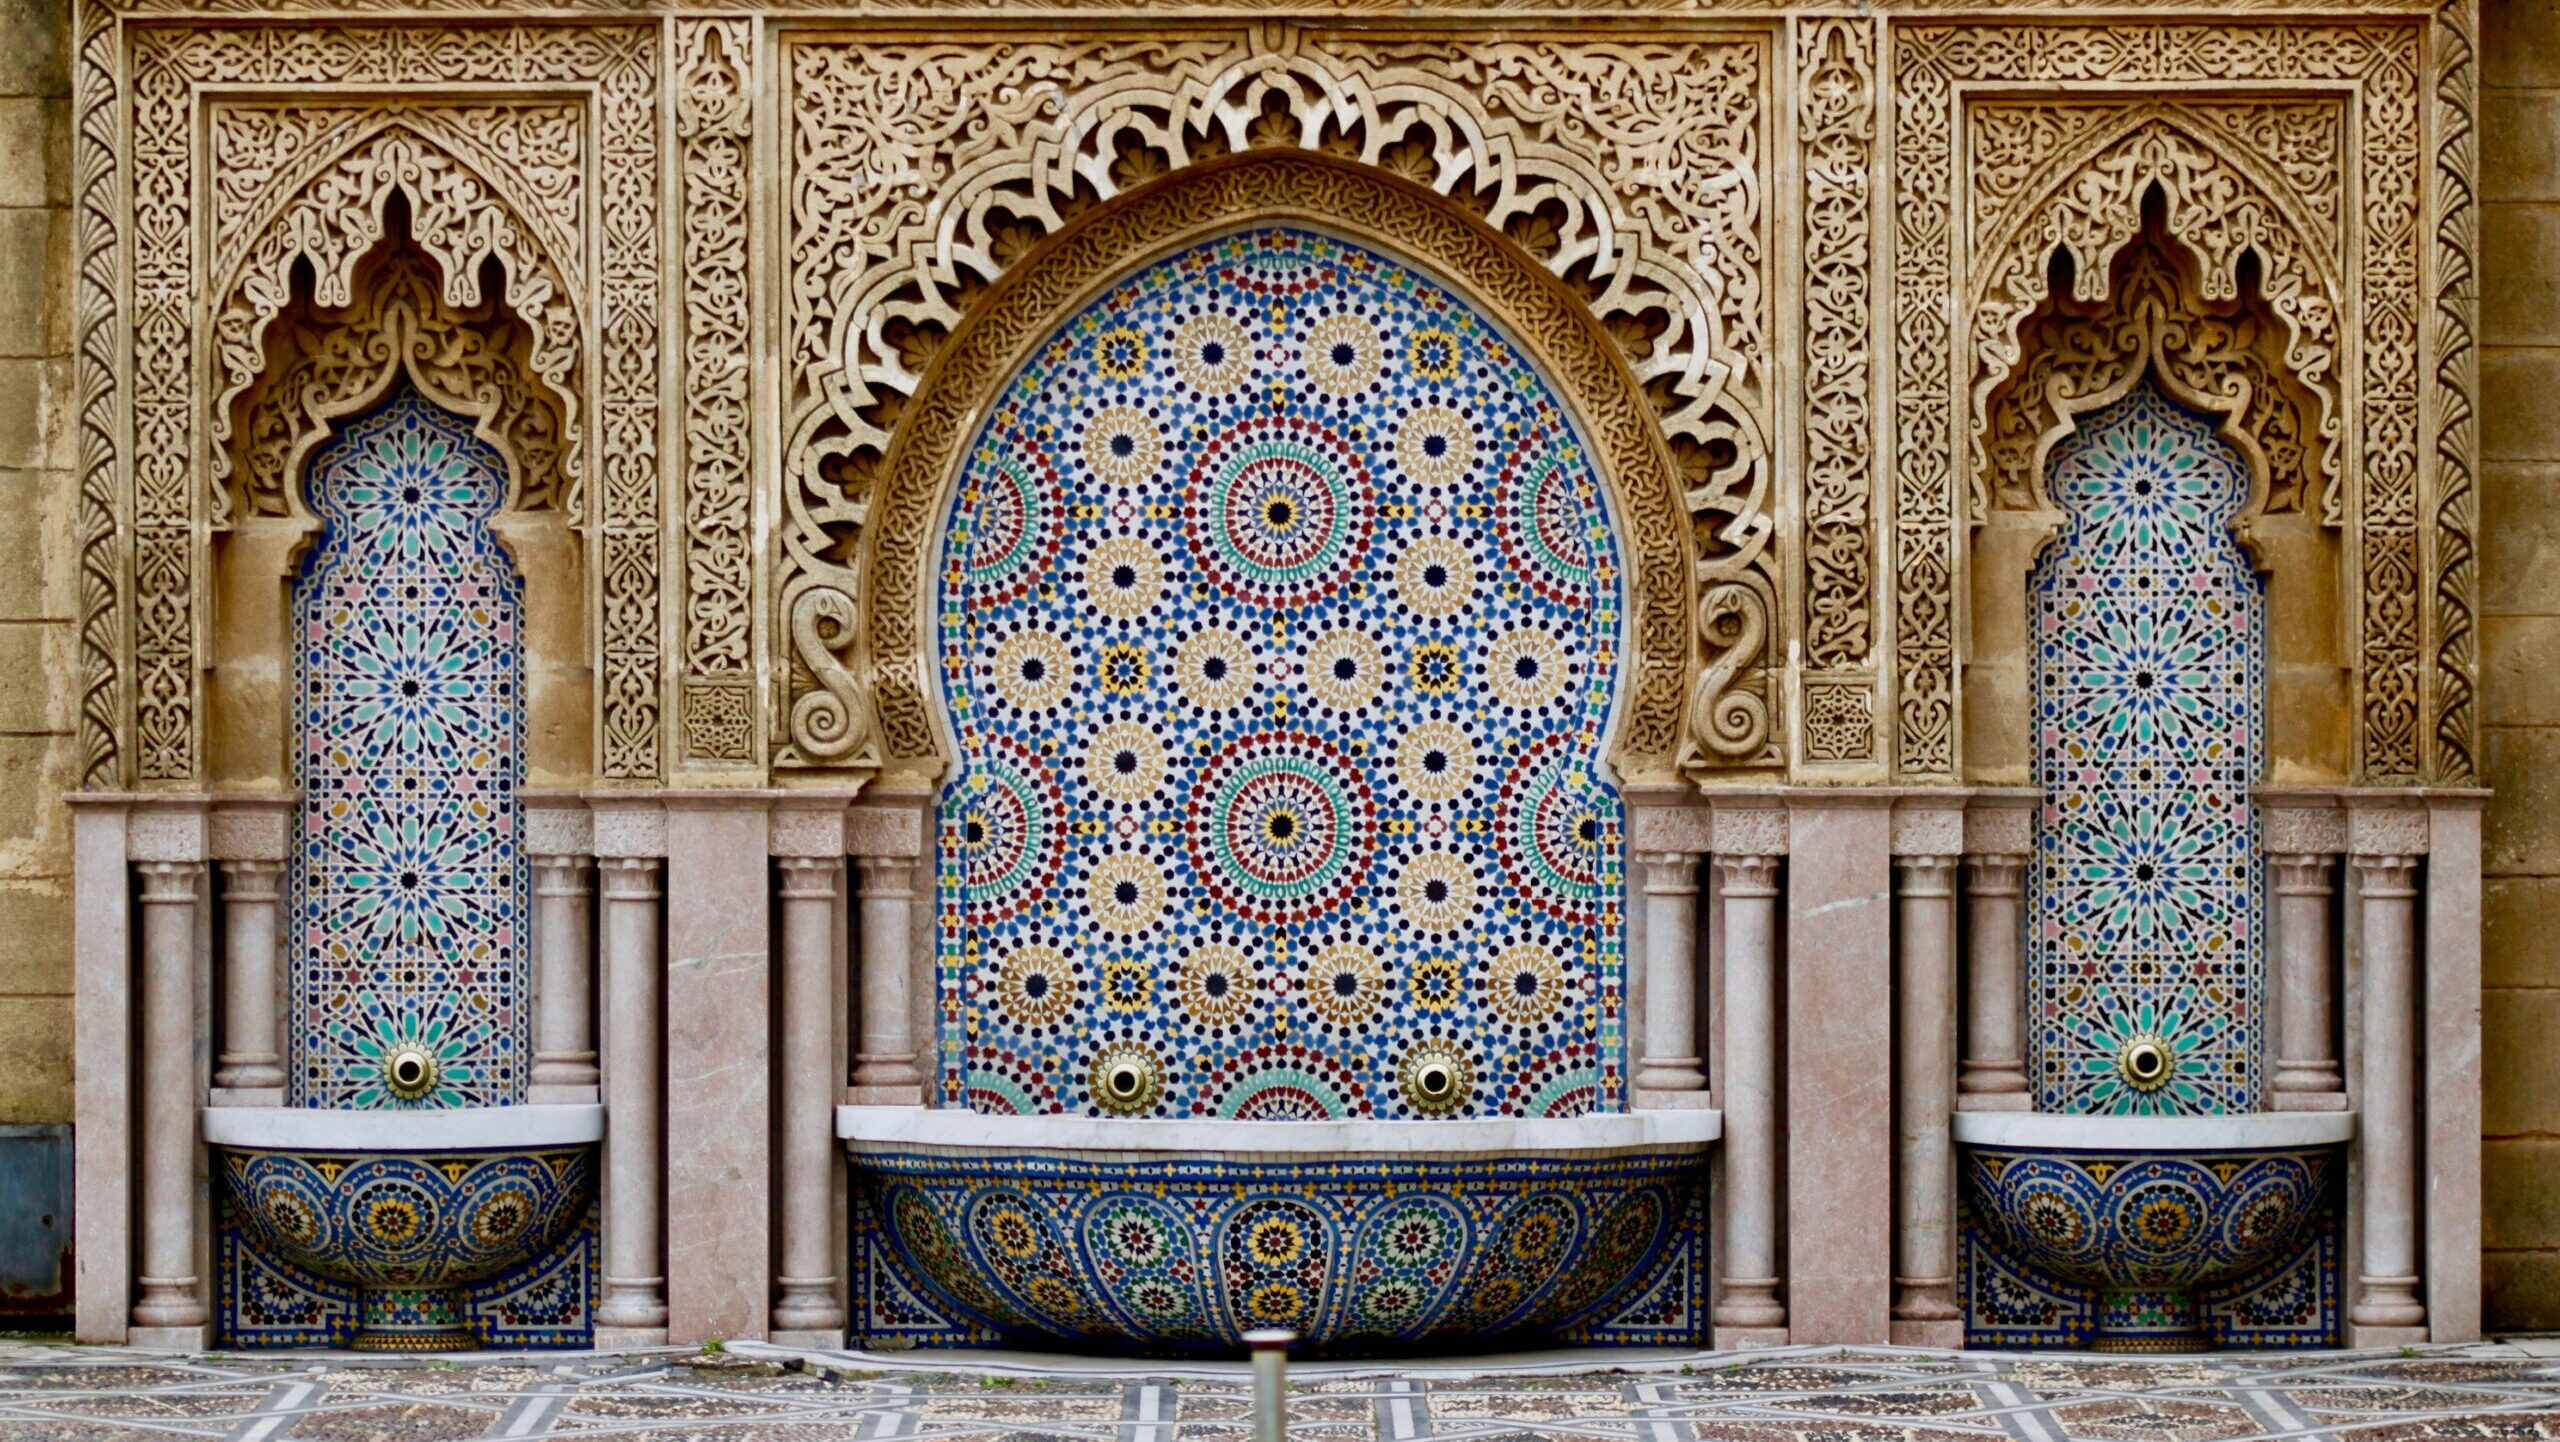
[(409, 881), (2144, 896), (263, 1300), (2293, 1302), (1175, 1255), (1279, 622)]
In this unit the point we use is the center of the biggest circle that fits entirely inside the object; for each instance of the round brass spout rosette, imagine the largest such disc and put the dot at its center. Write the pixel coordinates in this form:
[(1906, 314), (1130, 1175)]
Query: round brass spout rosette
[(1126, 1080), (1435, 1079), (2147, 1062), (411, 1071)]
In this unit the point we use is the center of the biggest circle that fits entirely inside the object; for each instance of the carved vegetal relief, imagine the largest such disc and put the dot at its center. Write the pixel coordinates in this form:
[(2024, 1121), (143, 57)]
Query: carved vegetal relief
[(2243, 177), (2455, 370), (922, 170), (309, 186), (714, 129)]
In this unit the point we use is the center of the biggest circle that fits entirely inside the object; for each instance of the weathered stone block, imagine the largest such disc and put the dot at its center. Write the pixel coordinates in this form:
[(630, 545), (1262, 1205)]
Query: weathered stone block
[(26, 151), (32, 689), (2521, 832), (2520, 931), (2522, 1290), (2519, 684), (2519, 1207), (2519, 43), (35, 1059), (28, 295), (2519, 146), (2520, 540), (35, 937), (2520, 275), (2520, 1083), (2520, 405), (35, 47)]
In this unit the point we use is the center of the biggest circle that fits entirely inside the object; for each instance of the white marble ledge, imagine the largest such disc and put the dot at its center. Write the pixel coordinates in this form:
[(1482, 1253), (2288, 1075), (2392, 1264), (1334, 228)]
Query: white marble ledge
[(456, 1129), (2247, 1131), (867, 1129)]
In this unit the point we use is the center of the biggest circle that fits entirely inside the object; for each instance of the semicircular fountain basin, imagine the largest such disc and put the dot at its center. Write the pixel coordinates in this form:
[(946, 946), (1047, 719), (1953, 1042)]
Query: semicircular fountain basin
[(2149, 1210), (408, 1209), (1358, 1236)]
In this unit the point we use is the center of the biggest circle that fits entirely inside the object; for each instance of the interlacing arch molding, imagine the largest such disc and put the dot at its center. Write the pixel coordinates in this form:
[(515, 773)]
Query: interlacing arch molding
[(1567, 342), (921, 170), (280, 149), (2013, 140)]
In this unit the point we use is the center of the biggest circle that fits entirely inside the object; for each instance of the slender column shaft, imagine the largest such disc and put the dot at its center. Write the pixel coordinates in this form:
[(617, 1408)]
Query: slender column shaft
[(1671, 1061), (564, 1053), (1994, 1062), (2386, 1292), (807, 1283), (252, 1056), (634, 1273), (1924, 1091), (169, 1294), (887, 1057), (2306, 1061), (1748, 889)]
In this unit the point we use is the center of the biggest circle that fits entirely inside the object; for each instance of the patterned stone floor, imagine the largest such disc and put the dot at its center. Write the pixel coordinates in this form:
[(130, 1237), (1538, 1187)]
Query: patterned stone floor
[(2505, 1390)]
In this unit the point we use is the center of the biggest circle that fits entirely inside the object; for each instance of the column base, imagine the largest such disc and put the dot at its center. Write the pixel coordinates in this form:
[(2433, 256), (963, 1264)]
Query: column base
[(1647, 1100), (628, 1339), (246, 1096), (897, 1096), (1945, 1333), (1995, 1102), (2307, 1101), (569, 1094), (2360, 1335), (1735, 1339), (808, 1339), (196, 1338)]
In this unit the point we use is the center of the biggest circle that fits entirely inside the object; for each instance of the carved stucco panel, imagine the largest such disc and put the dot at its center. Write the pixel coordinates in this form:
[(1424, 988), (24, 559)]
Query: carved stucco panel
[(332, 216), (920, 170), (1939, 71)]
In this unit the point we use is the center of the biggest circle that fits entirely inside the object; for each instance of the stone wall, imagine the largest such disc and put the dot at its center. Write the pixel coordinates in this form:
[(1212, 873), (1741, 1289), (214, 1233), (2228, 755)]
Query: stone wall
[(2520, 658), (38, 671)]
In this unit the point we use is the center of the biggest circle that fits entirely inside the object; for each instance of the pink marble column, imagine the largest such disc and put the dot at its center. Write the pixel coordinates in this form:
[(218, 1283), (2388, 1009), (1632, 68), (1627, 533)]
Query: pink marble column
[(2303, 833), (1999, 832), (2451, 1258), (1928, 834), (719, 1104), (102, 1008), (170, 1313), (1668, 830), (1839, 1049), (2387, 842), (561, 840), (808, 844), (630, 838), (1749, 842), (248, 839), (887, 842)]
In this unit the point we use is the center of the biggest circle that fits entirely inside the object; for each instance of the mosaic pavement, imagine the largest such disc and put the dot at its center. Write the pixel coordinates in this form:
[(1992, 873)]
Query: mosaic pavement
[(1792, 1395)]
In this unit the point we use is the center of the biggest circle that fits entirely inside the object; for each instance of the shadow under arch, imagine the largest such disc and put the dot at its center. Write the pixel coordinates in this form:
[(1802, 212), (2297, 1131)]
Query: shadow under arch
[(908, 736), (327, 366)]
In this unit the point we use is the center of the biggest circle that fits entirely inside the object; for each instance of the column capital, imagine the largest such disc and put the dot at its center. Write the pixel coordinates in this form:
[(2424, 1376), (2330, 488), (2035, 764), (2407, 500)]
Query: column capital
[(250, 828), (628, 827), (1745, 874), (806, 828), (2382, 824), (171, 831), (1924, 874), (1750, 827), (1928, 825), (558, 825), (808, 878), (884, 833), (2380, 876), (250, 878)]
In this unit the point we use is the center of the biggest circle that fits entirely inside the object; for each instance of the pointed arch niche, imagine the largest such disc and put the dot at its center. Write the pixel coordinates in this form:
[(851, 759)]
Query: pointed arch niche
[(2223, 352), (326, 366)]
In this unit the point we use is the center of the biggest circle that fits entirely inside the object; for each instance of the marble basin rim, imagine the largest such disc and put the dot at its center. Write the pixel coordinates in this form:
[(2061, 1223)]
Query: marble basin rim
[(407, 1206), (2147, 1211), (1174, 1236)]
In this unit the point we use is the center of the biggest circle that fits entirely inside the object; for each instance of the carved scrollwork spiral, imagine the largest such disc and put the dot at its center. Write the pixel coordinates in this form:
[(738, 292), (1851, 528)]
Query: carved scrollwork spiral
[(833, 721), (1733, 621)]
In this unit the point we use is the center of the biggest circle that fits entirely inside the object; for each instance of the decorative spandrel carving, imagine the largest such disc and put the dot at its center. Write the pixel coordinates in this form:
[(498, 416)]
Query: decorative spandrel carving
[(491, 179), (2236, 205), (324, 362), (2223, 358), (922, 170)]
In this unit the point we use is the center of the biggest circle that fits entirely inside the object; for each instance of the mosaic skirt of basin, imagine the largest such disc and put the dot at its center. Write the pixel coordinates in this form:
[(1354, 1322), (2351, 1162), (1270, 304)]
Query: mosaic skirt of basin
[(1355, 1255)]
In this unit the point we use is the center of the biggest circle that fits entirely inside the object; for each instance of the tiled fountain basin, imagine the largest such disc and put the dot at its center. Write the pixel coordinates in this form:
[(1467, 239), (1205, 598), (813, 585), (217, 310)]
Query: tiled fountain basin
[(407, 1206), (2148, 1210), (1358, 1236)]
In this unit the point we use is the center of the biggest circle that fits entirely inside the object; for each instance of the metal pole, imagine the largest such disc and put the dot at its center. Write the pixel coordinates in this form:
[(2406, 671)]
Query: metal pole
[(1270, 1382)]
